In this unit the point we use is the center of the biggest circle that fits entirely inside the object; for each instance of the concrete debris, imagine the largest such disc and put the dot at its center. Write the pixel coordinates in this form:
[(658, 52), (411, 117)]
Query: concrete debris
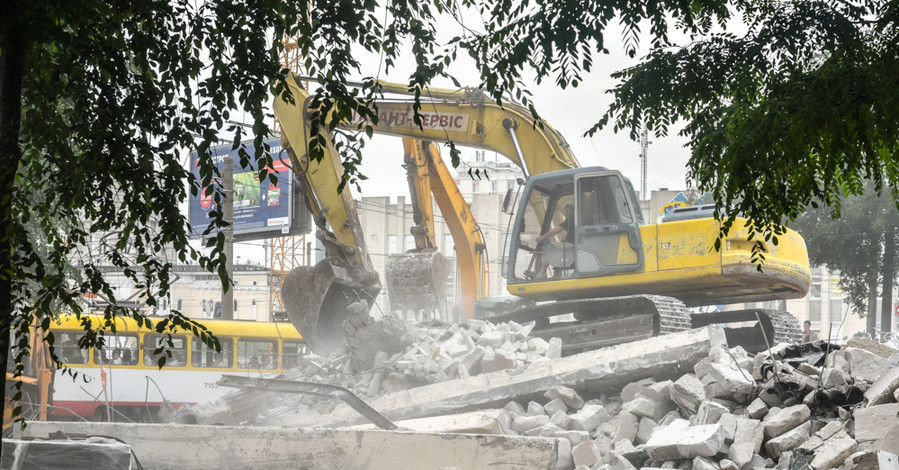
[(681, 401)]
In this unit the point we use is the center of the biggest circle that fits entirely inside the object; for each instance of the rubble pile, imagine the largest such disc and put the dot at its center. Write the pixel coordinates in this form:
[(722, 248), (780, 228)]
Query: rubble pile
[(733, 412), (812, 406), (438, 352)]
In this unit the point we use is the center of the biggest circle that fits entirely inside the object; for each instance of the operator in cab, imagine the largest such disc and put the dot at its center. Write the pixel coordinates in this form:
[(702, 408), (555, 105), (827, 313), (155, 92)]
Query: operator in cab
[(567, 225)]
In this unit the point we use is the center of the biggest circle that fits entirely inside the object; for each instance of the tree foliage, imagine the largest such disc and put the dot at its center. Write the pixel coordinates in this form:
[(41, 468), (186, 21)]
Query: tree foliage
[(98, 101), (856, 244)]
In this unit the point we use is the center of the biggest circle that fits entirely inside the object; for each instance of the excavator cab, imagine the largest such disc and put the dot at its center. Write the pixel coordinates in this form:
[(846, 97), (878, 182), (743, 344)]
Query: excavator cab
[(576, 223)]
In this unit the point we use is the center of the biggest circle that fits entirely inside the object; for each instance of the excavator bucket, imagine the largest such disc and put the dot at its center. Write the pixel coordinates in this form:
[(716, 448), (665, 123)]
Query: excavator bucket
[(320, 298), (416, 282)]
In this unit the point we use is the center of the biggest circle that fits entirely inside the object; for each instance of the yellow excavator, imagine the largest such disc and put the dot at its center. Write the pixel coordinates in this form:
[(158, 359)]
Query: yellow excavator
[(416, 280), (610, 278)]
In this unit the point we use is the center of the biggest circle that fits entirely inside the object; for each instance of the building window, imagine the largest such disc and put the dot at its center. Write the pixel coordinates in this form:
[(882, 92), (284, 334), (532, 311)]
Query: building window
[(179, 304), (235, 306), (391, 244), (475, 186), (253, 308), (408, 242), (494, 187)]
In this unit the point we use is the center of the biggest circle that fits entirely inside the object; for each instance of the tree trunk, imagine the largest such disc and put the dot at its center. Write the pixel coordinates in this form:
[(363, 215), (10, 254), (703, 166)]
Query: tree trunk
[(12, 60), (889, 273), (871, 317)]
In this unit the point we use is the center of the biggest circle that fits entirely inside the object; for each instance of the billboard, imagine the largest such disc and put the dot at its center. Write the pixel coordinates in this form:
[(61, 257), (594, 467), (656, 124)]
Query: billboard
[(262, 209)]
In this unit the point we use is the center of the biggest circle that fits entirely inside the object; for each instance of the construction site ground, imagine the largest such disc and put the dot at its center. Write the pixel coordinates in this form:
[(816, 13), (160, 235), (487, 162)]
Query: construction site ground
[(484, 396)]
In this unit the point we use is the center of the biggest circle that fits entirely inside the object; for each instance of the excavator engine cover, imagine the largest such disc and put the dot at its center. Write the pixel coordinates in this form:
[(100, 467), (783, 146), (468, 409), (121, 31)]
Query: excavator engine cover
[(320, 298), (416, 281)]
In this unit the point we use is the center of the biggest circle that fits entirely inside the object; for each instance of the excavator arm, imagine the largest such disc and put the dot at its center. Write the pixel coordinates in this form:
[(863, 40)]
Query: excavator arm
[(320, 298), (416, 280)]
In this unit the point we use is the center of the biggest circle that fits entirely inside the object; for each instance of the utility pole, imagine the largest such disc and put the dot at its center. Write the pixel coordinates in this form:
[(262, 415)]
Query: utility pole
[(644, 149), (228, 216)]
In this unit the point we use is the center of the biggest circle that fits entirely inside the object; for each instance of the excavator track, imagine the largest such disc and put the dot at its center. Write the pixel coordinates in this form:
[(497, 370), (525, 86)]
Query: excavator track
[(595, 323)]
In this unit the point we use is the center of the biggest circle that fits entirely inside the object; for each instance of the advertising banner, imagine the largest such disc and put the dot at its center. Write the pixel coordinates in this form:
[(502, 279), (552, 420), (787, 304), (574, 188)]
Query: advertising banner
[(261, 208)]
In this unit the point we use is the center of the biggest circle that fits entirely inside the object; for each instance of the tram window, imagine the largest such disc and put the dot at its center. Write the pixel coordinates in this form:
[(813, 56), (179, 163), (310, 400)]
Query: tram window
[(292, 352), (257, 354), (204, 356), (178, 348), (117, 349), (66, 346)]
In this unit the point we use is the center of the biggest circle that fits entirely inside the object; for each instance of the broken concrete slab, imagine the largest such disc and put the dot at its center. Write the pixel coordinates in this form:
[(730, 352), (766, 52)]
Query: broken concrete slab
[(474, 422), (788, 440), (567, 395), (587, 418), (834, 451), (203, 447), (586, 453), (872, 460), (594, 372), (679, 440), (882, 390), (873, 422), (786, 419), (865, 365), (687, 393)]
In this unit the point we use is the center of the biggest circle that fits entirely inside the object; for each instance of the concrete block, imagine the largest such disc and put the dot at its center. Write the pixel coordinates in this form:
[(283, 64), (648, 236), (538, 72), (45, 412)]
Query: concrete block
[(687, 393), (633, 389), (750, 431), (865, 365), (788, 440), (735, 383), (564, 461), (872, 460), (786, 419), (269, 448), (567, 395), (535, 409), (588, 418), (560, 419), (643, 407), (702, 463), (882, 390), (586, 453), (547, 430), (834, 451), (726, 464), (627, 427), (515, 409), (523, 424), (575, 437), (759, 462), (823, 434), (873, 422), (740, 453), (554, 406), (644, 430), (659, 392), (832, 378), (708, 413), (679, 440), (728, 423)]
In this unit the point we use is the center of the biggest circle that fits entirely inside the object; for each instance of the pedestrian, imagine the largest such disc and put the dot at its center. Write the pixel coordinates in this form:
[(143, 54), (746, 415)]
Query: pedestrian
[(807, 334)]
